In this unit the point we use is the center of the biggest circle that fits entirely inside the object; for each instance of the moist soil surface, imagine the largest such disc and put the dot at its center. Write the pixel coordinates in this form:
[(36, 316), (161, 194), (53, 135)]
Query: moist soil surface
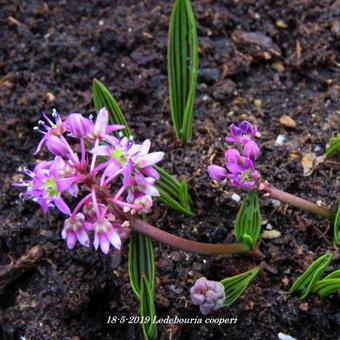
[(258, 61)]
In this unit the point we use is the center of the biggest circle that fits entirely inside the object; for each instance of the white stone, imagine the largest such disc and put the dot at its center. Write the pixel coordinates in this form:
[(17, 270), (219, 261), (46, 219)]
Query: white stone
[(280, 140), (285, 337), (236, 197), (269, 226), (271, 234)]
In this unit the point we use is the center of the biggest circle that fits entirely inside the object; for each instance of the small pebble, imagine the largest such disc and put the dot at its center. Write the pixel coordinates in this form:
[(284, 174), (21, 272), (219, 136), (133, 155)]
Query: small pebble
[(280, 140), (205, 97), (278, 67), (50, 97), (276, 203), (281, 24), (236, 197), (175, 290), (317, 148), (285, 337), (269, 226), (287, 121), (271, 234), (258, 103)]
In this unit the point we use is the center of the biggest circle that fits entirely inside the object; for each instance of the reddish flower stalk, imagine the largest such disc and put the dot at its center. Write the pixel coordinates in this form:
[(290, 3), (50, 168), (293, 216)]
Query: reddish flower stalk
[(189, 245), (295, 201)]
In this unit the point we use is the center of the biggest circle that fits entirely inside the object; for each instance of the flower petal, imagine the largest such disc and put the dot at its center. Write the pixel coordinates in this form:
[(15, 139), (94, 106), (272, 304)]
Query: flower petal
[(102, 150), (71, 239), (82, 237), (234, 168), (217, 173), (145, 148), (96, 241), (114, 238), (104, 243), (101, 122), (233, 156), (251, 150), (114, 127), (150, 159), (62, 206), (151, 172)]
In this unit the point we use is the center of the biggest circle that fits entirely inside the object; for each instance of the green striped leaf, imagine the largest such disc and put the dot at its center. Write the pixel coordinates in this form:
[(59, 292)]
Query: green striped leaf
[(326, 287), (333, 275), (169, 201), (248, 220), (140, 262), (334, 146), (147, 309), (182, 67), (337, 226), (103, 98), (306, 282), (172, 192), (235, 286)]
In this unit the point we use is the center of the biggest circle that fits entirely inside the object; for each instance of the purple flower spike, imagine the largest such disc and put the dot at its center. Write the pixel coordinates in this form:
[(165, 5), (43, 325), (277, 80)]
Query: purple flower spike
[(239, 164), (107, 174), (217, 173), (251, 150), (209, 295)]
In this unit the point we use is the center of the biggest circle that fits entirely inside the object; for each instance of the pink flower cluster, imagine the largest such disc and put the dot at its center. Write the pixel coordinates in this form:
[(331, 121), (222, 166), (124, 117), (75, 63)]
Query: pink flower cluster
[(107, 174), (239, 163)]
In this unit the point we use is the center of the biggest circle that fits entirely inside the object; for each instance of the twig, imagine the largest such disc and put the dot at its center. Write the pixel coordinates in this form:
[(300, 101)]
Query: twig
[(12, 271)]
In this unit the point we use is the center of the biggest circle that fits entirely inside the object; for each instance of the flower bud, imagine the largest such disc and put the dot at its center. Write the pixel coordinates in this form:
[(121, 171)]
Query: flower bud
[(251, 150), (209, 295), (56, 146), (77, 125), (217, 173)]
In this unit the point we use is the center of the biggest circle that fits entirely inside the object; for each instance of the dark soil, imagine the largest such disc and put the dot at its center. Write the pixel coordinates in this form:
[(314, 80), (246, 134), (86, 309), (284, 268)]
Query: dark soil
[(49, 53)]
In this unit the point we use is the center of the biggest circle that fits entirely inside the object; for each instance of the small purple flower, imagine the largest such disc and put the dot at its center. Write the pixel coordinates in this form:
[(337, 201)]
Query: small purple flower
[(241, 134), (244, 177), (146, 185), (106, 233), (122, 150), (217, 173), (46, 185), (145, 201), (241, 170), (51, 128), (209, 295), (101, 128), (75, 229)]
